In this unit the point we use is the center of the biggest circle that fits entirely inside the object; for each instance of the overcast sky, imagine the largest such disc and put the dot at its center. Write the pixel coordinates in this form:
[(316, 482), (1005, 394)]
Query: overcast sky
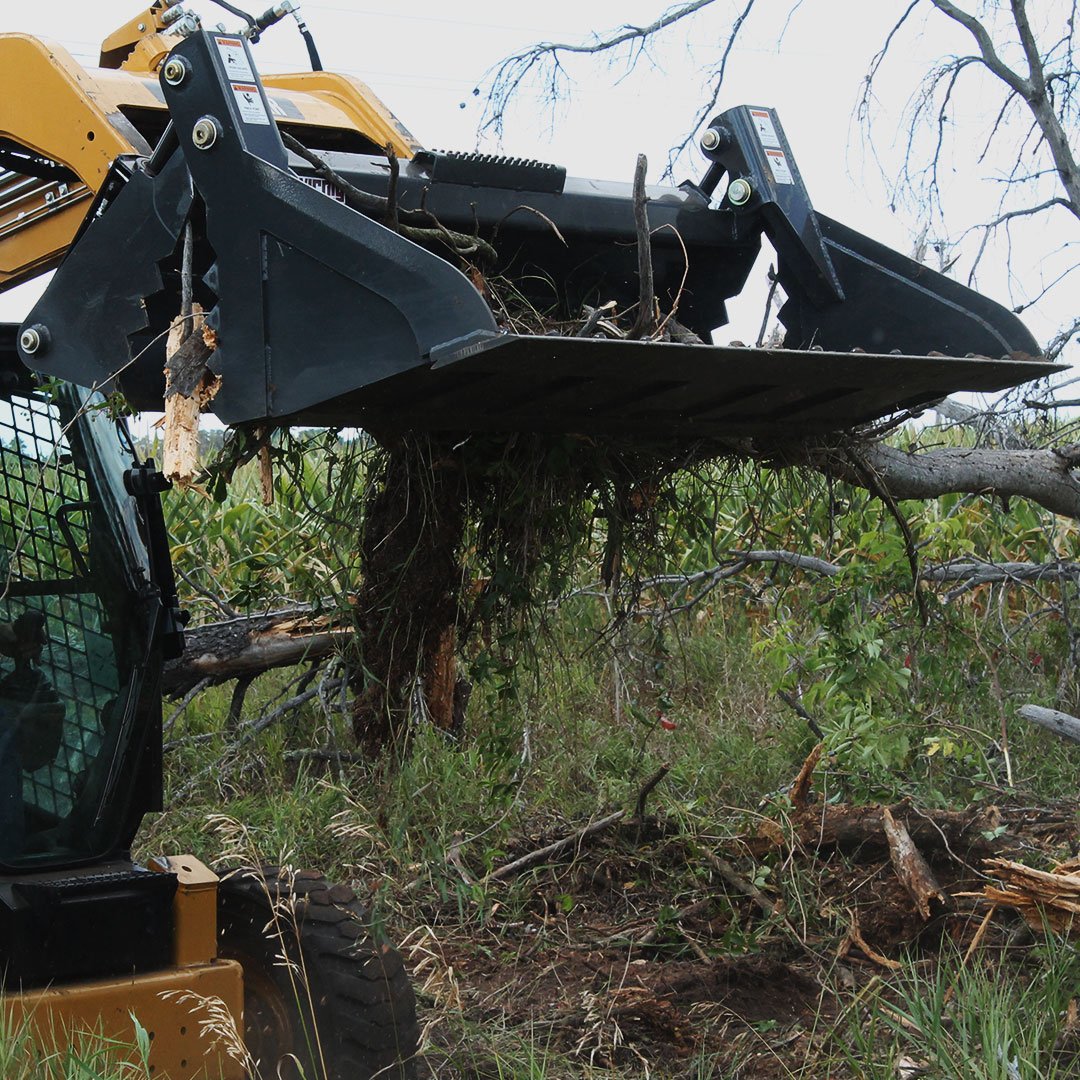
[(425, 59)]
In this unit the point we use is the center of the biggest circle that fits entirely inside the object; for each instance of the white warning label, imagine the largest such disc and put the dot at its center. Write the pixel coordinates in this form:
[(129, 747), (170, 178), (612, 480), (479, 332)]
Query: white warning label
[(250, 103), (765, 128), (781, 170), (325, 187), (235, 59)]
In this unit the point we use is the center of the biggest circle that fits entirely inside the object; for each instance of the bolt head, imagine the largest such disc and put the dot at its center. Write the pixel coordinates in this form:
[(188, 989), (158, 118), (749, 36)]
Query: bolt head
[(30, 340), (205, 133), (739, 192), (142, 27), (175, 70), (710, 140)]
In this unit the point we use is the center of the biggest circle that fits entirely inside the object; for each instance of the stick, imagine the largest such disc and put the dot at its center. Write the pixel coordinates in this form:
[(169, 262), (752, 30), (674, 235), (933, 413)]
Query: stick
[(594, 316), (377, 207), (647, 789), (645, 322), (337, 757), (541, 854), (679, 292), (1068, 727), (189, 697), (855, 937), (793, 703), (236, 703), (266, 470), (740, 884), (774, 281), (800, 789), (975, 942)]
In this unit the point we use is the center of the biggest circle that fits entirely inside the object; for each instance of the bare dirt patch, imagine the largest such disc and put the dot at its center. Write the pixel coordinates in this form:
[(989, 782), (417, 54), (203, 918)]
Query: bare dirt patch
[(636, 957)]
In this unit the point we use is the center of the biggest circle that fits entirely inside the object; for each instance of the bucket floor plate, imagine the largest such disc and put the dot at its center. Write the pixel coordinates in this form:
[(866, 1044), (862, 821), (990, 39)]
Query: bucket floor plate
[(659, 390)]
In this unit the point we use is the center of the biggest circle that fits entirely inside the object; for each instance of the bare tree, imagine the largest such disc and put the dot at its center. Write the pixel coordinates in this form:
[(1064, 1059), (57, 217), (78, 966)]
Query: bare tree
[(543, 62), (1034, 80)]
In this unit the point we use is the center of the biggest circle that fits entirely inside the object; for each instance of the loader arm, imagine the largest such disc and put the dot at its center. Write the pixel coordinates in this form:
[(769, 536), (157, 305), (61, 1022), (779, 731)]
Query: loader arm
[(324, 314), (62, 126)]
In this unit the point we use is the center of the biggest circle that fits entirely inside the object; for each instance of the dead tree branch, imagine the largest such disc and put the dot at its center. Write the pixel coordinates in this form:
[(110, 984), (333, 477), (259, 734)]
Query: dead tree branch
[(544, 62), (1044, 476), (246, 646), (1060, 723), (645, 322), (543, 854)]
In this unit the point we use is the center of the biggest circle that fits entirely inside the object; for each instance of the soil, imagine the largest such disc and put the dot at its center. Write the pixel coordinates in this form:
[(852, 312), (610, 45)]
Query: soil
[(634, 958)]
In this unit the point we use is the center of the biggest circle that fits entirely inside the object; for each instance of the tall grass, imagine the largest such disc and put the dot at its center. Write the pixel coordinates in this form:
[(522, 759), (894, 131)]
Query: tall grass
[(973, 1021), (82, 1055)]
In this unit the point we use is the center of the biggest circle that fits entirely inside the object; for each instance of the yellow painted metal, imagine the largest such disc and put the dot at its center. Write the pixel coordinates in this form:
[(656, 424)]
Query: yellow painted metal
[(170, 1005), (117, 47), (194, 909), (350, 99), (85, 118), (46, 105), (149, 54)]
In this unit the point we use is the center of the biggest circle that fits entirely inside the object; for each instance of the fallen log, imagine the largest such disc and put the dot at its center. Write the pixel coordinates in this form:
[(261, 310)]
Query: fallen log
[(249, 645), (855, 828), (1060, 723)]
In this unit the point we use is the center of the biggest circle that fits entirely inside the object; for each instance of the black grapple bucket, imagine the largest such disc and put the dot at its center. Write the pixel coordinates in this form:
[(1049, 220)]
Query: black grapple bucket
[(325, 315)]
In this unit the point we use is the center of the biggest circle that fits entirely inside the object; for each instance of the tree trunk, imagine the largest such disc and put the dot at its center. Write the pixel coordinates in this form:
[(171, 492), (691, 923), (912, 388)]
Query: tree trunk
[(1044, 476)]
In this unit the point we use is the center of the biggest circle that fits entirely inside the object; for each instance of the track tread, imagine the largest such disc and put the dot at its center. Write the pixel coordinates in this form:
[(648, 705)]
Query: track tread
[(364, 1004)]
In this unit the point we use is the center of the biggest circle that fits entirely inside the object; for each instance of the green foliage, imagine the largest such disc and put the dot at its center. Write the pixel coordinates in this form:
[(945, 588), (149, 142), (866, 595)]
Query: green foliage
[(971, 1020), (586, 593)]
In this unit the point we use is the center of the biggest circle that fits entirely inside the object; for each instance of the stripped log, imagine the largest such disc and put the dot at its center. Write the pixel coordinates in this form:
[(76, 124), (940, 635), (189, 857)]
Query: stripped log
[(190, 386), (912, 869), (1045, 899), (1060, 723), (249, 645)]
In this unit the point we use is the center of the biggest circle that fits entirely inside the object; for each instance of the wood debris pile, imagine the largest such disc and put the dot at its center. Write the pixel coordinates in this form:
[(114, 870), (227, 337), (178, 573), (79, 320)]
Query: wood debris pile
[(1045, 899)]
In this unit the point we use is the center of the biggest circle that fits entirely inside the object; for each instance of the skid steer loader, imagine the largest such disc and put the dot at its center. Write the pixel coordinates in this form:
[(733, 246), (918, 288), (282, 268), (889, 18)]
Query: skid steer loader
[(88, 615), (339, 291)]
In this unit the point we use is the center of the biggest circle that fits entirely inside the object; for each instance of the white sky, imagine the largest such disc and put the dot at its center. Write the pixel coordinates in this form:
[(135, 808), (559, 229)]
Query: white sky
[(425, 58)]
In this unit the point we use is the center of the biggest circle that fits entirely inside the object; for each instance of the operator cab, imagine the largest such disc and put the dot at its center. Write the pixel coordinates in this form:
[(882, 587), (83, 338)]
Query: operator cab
[(77, 768)]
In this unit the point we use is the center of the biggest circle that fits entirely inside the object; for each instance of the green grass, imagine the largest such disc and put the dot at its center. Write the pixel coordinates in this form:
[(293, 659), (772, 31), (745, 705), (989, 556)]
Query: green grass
[(87, 1056), (983, 1020)]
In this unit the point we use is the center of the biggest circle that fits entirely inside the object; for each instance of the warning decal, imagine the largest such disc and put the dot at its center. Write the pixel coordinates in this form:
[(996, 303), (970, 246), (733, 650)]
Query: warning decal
[(325, 187), (250, 103), (235, 59), (765, 128), (781, 170)]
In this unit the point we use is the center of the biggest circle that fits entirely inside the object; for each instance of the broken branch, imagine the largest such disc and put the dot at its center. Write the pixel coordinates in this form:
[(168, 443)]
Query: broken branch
[(542, 854), (911, 868), (645, 323)]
